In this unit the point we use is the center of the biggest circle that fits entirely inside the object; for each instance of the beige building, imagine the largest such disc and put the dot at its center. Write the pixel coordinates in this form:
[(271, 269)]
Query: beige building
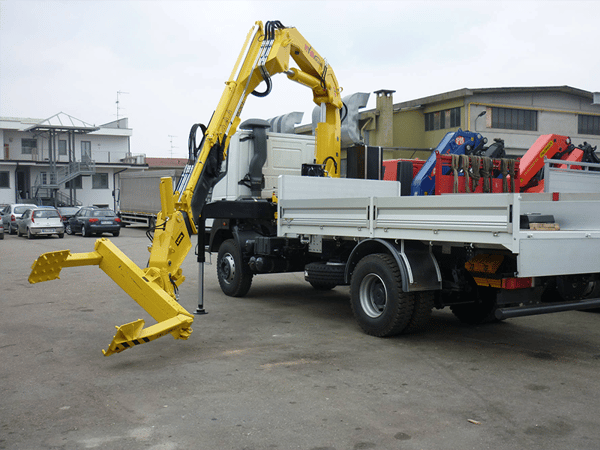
[(518, 115)]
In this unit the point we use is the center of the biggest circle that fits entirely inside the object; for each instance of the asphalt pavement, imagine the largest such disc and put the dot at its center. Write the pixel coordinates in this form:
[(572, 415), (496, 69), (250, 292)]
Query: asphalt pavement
[(285, 367)]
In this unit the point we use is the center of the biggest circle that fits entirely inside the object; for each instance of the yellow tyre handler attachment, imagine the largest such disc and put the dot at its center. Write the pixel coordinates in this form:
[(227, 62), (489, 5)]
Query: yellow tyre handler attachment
[(171, 317), (153, 288)]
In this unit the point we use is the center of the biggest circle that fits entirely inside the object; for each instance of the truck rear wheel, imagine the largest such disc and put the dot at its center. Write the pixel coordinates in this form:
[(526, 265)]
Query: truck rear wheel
[(234, 277), (424, 302), (380, 306)]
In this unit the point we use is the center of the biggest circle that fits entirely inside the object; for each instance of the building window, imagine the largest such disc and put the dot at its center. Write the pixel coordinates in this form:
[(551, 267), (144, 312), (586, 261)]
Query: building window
[(589, 125), (62, 147), (100, 181), (86, 150), (514, 119), (4, 180), (438, 120), (75, 183), (28, 146)]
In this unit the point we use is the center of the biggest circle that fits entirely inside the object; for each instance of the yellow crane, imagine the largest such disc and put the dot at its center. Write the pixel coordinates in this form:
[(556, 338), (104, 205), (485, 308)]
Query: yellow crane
[(266, 52)]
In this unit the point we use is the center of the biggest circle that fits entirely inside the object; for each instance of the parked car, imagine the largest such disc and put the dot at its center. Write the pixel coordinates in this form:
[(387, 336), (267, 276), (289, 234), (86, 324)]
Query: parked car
[(40, 222), (66, 212), (10, 214), (91, 220), (2, 206)]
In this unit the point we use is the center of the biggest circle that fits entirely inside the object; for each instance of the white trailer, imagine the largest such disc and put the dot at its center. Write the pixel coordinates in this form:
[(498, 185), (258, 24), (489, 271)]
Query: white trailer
[(139, 195)]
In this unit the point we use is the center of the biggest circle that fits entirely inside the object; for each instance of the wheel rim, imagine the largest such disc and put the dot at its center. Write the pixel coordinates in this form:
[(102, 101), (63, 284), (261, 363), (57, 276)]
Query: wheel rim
[(68, 229), (228, 267), (373, 295)]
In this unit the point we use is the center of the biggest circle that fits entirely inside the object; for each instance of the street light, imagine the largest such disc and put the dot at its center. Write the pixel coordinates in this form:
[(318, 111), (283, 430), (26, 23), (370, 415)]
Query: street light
[(481, 114)]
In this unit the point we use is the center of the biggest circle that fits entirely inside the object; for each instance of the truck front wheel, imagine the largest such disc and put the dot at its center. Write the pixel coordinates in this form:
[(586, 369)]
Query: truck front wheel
[(380, 306), (234, 277)]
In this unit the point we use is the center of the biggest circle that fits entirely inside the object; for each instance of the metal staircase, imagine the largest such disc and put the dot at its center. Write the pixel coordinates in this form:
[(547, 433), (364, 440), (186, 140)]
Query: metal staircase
[(46, 188)]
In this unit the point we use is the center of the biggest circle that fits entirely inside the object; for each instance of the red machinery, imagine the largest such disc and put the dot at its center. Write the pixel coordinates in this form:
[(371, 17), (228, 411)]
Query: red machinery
[(475, 174), (527, 173), (483, 174), (391, 167), (547, 146)]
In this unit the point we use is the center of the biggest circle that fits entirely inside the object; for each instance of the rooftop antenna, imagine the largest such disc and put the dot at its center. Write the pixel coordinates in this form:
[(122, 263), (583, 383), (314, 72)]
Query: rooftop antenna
[(171, 139), (117, 102)]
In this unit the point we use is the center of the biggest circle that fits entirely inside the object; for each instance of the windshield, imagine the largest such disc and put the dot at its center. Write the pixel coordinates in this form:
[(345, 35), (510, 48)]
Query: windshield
[(21, 209), (45, 214), (68, 211), (104, 213)]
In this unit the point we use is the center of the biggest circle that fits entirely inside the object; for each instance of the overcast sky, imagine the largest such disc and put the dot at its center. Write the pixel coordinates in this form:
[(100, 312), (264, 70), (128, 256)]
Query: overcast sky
[(173, 57)]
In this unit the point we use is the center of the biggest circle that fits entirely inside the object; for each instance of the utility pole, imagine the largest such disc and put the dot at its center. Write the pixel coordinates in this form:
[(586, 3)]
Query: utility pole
[(117, 102), (171, 138)]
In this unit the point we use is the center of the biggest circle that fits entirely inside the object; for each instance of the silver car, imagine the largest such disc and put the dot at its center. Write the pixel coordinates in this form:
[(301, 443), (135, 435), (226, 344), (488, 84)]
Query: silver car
[(40, 222), (11, 213)]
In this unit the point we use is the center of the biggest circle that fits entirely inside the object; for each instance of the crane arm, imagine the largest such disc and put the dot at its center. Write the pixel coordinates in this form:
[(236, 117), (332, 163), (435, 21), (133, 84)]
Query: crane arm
[(266, 52)]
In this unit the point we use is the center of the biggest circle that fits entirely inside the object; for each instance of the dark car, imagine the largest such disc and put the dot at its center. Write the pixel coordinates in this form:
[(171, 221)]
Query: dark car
[(91, 220), (66, 212)]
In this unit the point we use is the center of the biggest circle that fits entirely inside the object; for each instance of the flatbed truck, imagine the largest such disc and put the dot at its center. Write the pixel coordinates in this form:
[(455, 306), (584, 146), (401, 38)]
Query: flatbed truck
[(487, 256)]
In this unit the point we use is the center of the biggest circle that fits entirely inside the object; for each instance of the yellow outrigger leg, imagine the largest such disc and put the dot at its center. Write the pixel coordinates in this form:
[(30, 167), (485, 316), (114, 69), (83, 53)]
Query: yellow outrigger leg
[(152, 288)]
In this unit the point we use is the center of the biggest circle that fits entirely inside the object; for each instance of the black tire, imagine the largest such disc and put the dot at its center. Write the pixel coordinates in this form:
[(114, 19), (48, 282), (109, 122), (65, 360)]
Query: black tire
[(61, 235), (1, 236), (116, 233), (324, 276), (380, 306), (322, 286), (84, 232), (424, 302), (234, 276), (68, 229), (29, 235), (482, 310), (11, 231)]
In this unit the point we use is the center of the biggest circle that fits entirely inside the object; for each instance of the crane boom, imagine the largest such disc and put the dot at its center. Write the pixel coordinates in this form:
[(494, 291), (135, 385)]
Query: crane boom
[(266, 52)]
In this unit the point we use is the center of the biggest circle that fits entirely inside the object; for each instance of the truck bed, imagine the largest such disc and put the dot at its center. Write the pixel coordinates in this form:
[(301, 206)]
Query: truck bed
[(481, 220)]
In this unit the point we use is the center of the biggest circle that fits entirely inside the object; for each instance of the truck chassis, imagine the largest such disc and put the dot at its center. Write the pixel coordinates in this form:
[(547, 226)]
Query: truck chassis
[(480, 254)]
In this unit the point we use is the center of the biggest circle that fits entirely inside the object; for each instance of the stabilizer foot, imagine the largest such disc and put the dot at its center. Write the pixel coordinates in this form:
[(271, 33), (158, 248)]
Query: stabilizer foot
[(133, 333)]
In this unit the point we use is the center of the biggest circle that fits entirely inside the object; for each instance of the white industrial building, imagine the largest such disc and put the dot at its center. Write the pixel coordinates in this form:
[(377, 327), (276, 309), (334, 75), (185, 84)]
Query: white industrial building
[(63, 160)]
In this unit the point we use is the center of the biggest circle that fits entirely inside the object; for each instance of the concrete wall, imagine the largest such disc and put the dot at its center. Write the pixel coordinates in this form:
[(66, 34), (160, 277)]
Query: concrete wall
[(89, 196), (409, 129), (7, 195)]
